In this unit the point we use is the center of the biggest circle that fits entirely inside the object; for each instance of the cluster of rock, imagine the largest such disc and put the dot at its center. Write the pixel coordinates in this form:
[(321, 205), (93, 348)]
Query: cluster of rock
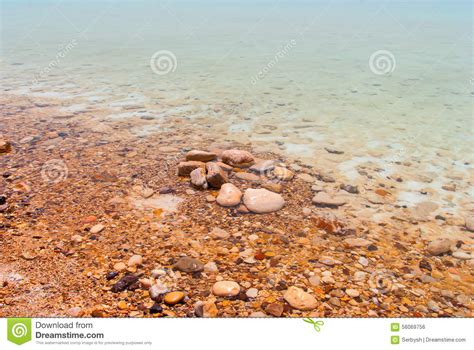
[(210, 170)]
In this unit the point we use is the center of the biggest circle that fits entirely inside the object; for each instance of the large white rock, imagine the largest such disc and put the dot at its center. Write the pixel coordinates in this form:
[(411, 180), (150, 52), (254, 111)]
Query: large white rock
[(299, 299), (229, 195), (225, 288), (262, 201)]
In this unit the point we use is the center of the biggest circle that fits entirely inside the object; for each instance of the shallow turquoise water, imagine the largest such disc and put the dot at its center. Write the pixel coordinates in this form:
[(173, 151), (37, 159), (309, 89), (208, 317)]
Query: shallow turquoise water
[(278, 63)]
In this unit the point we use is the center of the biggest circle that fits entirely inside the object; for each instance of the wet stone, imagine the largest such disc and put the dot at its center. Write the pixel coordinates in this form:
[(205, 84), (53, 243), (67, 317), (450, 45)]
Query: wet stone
[(173, 298), (262, 201), (185, 168), (124, 283), (283, 174), (215, 177), (439, 246), (201, 156), (274, 187), (325, 200), (237, 158), (186, 264), (333, 150), (198, 178), (229, 195), (247, 177)]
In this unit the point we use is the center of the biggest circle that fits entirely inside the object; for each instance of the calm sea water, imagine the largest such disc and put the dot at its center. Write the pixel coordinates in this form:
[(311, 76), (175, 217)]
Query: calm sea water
[(394, 77)]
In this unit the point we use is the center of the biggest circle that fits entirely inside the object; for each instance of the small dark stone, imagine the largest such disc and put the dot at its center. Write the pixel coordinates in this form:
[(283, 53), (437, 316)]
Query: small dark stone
[(425, 265), (350, 189), (332, 150), (400, 246), (372, 248), (3, 200), (111, 275), (166, 190), (196, 274), (243, 296), (156, 309), (124, 283), (440, 217), (198, 310), (97, 313), (281, 285)]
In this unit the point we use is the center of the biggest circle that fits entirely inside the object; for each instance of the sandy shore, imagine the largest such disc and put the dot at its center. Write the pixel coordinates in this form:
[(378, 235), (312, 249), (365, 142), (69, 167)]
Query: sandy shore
[(94, 221)]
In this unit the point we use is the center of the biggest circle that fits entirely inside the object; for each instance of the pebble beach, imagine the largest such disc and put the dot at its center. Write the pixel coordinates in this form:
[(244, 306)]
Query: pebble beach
[(239, 189), (102, 223)]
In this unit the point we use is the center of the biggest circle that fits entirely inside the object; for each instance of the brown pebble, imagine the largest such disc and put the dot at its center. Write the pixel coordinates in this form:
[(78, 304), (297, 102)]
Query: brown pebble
[(173, 298), (274, 309)]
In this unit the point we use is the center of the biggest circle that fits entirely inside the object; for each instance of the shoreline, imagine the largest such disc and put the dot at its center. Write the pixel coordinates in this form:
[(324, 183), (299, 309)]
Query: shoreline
[(54, 265)]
